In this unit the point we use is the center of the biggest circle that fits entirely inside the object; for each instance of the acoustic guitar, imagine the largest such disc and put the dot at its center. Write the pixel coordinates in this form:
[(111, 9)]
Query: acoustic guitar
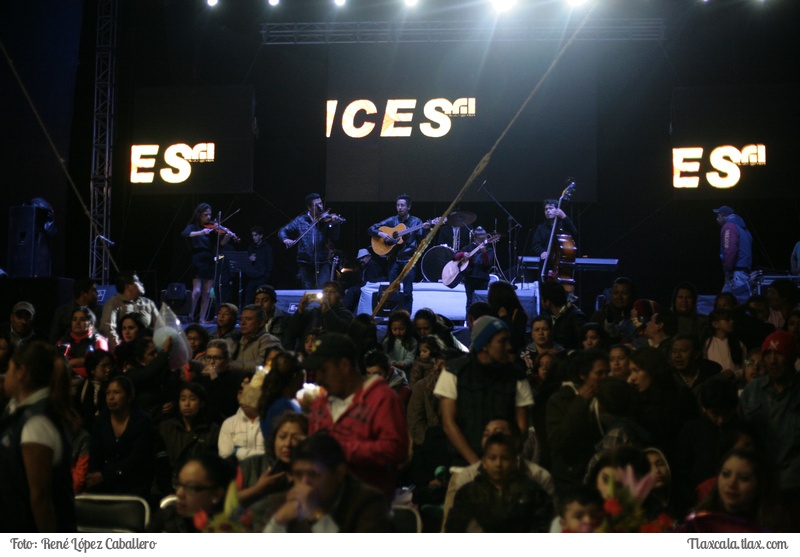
[(454, 271), (383, 247)]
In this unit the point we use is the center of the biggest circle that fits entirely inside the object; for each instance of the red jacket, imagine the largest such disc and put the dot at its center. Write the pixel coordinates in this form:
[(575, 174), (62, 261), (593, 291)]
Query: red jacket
[(372, 432)]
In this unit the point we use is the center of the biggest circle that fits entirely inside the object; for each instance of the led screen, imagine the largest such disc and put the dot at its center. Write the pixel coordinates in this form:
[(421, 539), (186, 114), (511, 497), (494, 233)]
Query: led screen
[(417, 118), (192, 141), (735, 142)]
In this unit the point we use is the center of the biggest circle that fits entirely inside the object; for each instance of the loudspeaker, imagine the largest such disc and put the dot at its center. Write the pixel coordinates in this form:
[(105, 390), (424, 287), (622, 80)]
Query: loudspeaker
[(178, 298), (28, 251), (391, 304)]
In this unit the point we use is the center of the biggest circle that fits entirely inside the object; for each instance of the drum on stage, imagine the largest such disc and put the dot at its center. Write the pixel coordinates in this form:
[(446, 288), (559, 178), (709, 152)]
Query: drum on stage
[(434, 260)]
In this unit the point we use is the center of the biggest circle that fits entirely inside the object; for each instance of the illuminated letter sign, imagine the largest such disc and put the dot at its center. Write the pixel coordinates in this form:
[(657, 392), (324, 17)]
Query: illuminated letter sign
[(398, 117), (725, 159), (177, 157), (392, 116), (349, 115)]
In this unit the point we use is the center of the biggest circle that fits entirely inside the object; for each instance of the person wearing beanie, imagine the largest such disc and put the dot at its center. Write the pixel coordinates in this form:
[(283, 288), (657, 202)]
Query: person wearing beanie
[(484, 385), (771, 403)]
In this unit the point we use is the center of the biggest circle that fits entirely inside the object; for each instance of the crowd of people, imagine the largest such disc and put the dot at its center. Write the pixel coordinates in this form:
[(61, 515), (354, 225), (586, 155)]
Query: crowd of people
[(644, 416)]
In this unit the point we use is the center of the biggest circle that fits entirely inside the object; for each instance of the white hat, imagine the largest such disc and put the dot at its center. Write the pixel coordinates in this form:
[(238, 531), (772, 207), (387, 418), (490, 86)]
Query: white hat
[(362, 253)]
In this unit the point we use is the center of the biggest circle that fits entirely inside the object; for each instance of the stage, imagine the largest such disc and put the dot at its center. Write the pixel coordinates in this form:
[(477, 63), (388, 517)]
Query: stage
[(450, 303)]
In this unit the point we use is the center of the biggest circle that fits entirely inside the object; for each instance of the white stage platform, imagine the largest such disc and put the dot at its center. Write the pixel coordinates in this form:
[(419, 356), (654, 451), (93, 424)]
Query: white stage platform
[(445, 301)]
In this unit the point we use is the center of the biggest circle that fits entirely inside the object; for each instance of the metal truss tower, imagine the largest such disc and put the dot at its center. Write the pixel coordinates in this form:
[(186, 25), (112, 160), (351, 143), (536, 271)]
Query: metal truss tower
[(339, 32), (102, 140)]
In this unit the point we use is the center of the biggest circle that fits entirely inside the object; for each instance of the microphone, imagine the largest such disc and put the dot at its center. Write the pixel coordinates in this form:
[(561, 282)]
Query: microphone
[(106, 240), (483, 184)]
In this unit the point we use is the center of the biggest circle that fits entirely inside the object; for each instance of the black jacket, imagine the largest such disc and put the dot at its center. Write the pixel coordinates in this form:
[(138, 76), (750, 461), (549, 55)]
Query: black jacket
[(312, 247), (522, 506)]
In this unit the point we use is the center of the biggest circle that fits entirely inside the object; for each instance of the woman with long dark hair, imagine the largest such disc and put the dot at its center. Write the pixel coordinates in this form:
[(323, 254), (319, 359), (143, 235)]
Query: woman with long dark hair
[(156, 385), (35, 446), (121, 453), (427, 322), (290, 429), (661, 406), (198, 232), (505, 304), (200, 486), (192, 433), (593, 335), (721, 345), (90, 397), (279, 389), (400, 344), (742, 499), (130, 327)]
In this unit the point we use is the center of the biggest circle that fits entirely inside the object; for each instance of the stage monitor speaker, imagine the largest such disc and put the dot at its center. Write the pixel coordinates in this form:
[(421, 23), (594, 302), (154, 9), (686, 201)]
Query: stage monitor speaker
[(391, 304), (178, 298), (28, 251)]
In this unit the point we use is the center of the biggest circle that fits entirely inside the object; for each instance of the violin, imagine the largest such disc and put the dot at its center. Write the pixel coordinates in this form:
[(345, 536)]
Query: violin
[(328, 216), (219, 228)]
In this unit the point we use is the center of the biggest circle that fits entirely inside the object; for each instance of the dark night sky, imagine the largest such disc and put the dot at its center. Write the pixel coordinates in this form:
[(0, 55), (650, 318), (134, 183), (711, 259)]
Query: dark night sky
[(658, 239)]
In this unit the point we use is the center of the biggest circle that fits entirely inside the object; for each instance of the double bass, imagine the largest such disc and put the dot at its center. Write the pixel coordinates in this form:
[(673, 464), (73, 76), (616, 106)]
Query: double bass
[(561, 250)]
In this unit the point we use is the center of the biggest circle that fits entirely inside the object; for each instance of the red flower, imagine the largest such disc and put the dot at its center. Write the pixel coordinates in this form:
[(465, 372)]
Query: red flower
[(612, 507), (650, 528), (201, 520)]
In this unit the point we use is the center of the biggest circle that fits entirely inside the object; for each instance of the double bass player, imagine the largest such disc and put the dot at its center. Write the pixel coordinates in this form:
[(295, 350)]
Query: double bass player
[(553, 216)]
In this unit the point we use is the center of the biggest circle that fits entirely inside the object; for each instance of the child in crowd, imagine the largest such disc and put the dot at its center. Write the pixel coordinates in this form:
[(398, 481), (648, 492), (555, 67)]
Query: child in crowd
[(580, 510), (753, 367), (399, 343), (308, 348), (425, 363), (541, 369), (721, 345), (377, 363), (502, 498)]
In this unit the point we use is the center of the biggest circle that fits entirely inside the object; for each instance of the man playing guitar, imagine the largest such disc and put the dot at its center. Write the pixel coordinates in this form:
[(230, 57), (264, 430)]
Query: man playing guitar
[(406, 239), (477, 275)]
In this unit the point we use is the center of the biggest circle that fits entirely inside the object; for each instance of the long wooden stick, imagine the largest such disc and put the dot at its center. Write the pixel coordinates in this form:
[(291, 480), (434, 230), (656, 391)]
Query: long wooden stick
[(481, 166)]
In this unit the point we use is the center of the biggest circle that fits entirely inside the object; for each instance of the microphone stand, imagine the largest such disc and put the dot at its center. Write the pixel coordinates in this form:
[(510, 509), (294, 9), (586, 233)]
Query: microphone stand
[(513, 224)]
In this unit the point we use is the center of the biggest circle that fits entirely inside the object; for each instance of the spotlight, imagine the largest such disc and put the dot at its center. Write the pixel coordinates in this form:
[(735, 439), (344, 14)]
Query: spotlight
[(411, 2), (503, 5), (339, 3), (576, 3), (212, 3), (274, 2)]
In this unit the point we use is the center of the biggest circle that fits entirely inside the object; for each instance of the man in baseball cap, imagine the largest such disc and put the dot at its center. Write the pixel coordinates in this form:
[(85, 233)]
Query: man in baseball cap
[(20, 326), (771, 403), (736, 253), (362, 413)]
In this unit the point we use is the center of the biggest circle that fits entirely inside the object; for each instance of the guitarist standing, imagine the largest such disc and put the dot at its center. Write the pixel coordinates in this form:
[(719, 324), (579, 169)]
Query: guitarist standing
[(476, 276), (407, 244)]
